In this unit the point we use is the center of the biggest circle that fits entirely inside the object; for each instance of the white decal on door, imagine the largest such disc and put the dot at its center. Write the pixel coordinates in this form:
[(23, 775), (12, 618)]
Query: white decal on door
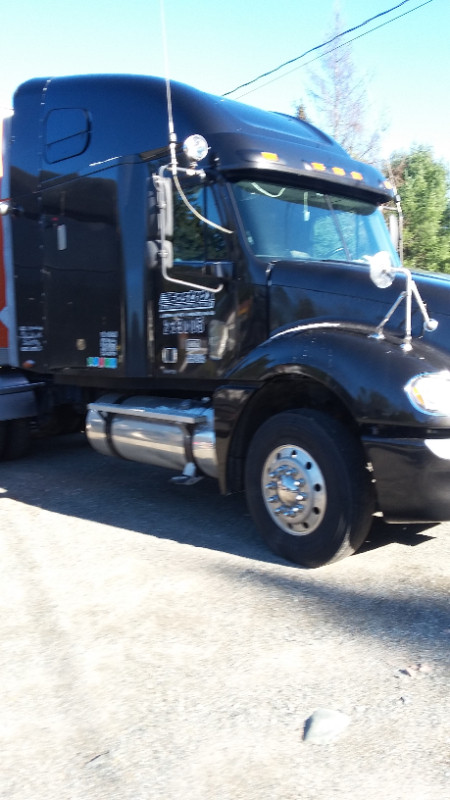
[(189, 303)]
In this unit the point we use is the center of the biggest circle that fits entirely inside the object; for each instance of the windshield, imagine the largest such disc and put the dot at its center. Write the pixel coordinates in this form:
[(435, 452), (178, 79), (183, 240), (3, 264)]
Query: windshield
[(291, 222)]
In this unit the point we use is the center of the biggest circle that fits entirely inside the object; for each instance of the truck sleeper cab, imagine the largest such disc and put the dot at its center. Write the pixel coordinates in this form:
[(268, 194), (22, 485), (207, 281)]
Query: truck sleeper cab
[(238, 313)]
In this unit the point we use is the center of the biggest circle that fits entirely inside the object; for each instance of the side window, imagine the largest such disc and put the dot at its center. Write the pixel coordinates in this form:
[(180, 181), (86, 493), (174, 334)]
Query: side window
[(67, 132), (193, 239)]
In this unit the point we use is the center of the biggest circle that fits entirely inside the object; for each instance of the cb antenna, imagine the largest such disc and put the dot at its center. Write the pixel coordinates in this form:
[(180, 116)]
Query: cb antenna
[(171, 126), (173, 139)]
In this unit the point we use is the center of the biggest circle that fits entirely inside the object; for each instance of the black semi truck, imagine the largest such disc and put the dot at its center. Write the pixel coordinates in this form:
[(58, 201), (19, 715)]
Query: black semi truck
[(212, 288)]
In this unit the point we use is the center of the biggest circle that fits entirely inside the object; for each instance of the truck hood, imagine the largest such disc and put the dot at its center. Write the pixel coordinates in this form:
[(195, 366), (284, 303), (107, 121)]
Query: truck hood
[(311, 292)]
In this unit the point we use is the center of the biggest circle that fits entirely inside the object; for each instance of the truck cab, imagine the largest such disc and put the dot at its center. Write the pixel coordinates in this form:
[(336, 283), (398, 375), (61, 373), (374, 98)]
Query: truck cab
[(222, 297)]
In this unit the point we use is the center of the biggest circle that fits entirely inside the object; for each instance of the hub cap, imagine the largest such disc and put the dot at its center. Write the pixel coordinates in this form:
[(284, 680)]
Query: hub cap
[(294, 490)]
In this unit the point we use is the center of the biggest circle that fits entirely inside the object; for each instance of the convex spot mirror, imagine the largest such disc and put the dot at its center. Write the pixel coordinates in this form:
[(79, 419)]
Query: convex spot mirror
[(195, 148)]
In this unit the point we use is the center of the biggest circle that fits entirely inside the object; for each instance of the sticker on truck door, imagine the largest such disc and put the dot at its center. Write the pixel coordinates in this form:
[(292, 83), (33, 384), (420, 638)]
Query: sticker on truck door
[(31, 338), (185, 312), (108, 351), (190, 325), (195, 302)]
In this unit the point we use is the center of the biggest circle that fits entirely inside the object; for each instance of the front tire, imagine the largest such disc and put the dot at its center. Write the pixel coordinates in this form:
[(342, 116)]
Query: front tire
[(308, 488)]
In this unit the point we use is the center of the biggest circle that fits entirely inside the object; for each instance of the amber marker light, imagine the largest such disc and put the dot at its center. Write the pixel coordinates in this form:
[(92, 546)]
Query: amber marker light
[(319, 167), (338, 170), (270, 156), (356, 176)]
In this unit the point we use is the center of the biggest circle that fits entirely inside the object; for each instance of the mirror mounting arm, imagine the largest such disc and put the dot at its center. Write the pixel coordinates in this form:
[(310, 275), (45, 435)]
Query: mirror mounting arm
[(407, 295)]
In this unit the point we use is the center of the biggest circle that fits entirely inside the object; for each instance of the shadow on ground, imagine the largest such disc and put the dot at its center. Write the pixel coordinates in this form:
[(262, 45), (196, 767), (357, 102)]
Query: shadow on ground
[(65, 476)]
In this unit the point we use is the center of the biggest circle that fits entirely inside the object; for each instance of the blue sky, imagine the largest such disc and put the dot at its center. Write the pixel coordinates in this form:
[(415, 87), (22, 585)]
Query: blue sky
[(216, 46)]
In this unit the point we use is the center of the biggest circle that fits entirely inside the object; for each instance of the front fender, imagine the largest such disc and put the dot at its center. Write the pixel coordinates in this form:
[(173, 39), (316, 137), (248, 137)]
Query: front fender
[(367, 374)]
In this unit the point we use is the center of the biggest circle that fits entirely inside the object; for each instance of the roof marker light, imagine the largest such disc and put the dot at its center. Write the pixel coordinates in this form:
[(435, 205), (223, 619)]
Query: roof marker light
[(270, 156), (319, 167), (357, 176), (338, 170)]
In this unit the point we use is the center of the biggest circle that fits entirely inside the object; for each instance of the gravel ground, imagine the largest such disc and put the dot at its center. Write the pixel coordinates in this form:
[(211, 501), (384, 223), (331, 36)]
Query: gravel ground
[(152, 648)]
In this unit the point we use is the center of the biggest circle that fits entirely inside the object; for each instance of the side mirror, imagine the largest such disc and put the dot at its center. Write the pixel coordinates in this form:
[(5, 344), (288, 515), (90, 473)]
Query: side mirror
[(160, 210), (394, 230), (160, 219)]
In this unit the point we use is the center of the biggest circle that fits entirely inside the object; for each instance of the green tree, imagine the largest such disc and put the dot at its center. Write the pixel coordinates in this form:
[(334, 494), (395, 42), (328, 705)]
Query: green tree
[(423, 185)]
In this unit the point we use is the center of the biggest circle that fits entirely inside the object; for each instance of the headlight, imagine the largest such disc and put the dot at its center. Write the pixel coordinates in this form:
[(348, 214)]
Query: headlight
[(430, 393)]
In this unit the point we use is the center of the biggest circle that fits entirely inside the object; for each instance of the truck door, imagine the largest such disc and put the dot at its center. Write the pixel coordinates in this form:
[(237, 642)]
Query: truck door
[(196, 328)]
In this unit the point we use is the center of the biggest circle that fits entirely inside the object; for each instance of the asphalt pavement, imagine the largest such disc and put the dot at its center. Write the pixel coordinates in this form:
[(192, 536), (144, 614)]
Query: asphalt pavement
[(152, 648)]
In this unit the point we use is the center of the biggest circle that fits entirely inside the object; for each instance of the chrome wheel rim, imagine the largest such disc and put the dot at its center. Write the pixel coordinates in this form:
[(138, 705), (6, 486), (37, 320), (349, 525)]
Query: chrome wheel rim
[(294, 490)]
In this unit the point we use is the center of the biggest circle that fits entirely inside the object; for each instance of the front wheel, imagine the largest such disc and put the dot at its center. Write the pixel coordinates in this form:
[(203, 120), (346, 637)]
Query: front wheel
[(308, 488)]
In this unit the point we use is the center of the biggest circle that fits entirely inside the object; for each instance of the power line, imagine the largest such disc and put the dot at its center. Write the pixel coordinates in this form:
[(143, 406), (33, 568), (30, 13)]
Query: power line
[(332, 49), (324, 44)]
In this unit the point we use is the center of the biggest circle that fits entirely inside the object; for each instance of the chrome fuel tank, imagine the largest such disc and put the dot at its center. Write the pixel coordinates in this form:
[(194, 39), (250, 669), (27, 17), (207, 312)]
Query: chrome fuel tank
[(161, 431)]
